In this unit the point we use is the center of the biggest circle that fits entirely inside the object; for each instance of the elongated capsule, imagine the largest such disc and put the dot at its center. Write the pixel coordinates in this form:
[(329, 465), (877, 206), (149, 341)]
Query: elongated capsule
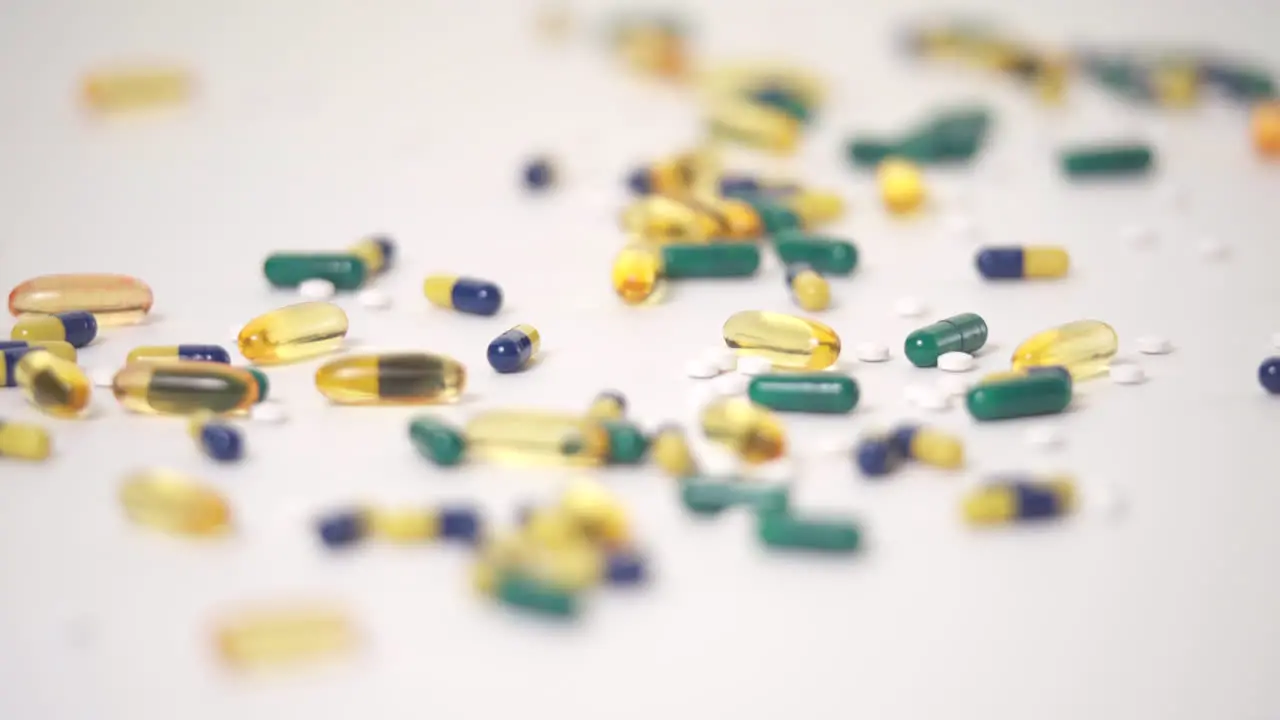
[(293, 333), (1083, 347), (828, 255), (808, 288), (76, 327), (639, 270), (1020, 499), (195, 353), (708, 496), (753, 433), (377, 251), (284, 635), (754, 125), (464, 294), (665, 177), (738, 79), (784, 531), (10, 357), (787, 341), (518, 590), (404, 525), (830, 393), (23, 441), (1033, 261), (670, 452), (735, 219), (782, 100), (568, 567), (961, 333), (185, 388), (437, 440), (1040, 393), (113, 299), (126, 89), (392, 378), (62, 349), (171, 502), (217, 440), (55, 386), (929, 446), (1107, 160), (797, 211), (536, 438), (513, 350), (662, 219), (1001, 375), (287, 270)]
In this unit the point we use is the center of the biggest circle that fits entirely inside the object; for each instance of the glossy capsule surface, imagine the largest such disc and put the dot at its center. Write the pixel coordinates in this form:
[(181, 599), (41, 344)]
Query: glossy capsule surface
[(76, 327), (217, 440), (171, 502), (1019, 500), (185, 388), (783, 530), (787, 341), (164, 353), (826, 392), (754, 125), (735, 219), (808, 288), (709, 496), (1038, 393), (1016, 263), (23, 441), (62, 349), (55, 386), (902, 186), (878, 455), (346, 271), (464, 294), (437, 440), (753, 433), (966, 332), (113, 299), (293, 333), (1083, 347), (1107, 161), (262, 638), (377, 251), (11, 356), (392, 378), (661, 219), (828, 255), (1269, 375), (124, 89), (929, 446), (536, 437), (599, 513), (513, 350), (665, 177)]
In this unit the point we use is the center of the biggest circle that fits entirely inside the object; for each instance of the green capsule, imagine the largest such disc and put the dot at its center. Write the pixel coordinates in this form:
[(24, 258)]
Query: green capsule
[(627, 443), (714, 260), (788, 103), (529, 594), (263, 384), (286, 270), (437, 441), (710, 496), (829, 256), (963, 333), (804, 392), (951, 136), (1037, 393), (784, 530), (1107, 160), (867, 152), (774, 216)]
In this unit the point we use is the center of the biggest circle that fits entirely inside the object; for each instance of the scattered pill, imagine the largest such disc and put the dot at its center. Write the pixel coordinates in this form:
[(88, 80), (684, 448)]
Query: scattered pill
[(377, 252), (908, 307), (902, 186), (785, 340), (374, 299), (112, 299), (293, 333), (315, 274), (1269, 375), (1154, 345), (185, 388), (76, 327), (515, 349), (124, 89), (24, 441), (524, 437), (956, 362), (1127, 373), (783, 530), (316, 289), (730, 384), (466, 295), (217, 440), (753, 433), (272, 413), (640, 269), (809, 289), (829, 256), (1044, 437), (827, 393), (871, 352), (55, 386), (701, 368), (539, 174), (391, 379), (608, 405), (1019, 499), (670, 452), (1083, 347), (752, 365), (1029, 262), (708, 495), (171, 502), (928, 445), (960, 333), (1038, 393), (1265, 124), (159, 353), (437, 440), (278, 636)]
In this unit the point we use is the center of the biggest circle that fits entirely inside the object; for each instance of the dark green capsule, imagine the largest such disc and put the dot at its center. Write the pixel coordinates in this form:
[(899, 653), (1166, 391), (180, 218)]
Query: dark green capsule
[(827, 255), (951, 136), (868, 152), (437, 441), (804, 392), (774, 216), (263, 384), (627, 443), (787, 102), (1037, 393), (529, 594), (286, 270), (711, 496), (963, 333), (784, 530), (710, 260), (1107, 160)]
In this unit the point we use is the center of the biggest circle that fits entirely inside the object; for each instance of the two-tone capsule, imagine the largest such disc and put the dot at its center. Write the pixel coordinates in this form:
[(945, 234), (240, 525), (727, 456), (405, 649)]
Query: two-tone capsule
[(878, 455), (392, 378), (1044, 392), (76, 327), (216, 439), (751, 432), (194, 353), (665, 177), (809, 289), (378, 252), (1017, 263), (513, 350), (293, 333), (464, 294), (174, 503), (185, 388), (24, 441), (113, 299), (961, 333), (11, 356), (787, 341), (929, 446), (55, 386), (754, 125), (824, 393), (828, 255), (1019, 499), (1084, 348), (640, 269), (347, 271)]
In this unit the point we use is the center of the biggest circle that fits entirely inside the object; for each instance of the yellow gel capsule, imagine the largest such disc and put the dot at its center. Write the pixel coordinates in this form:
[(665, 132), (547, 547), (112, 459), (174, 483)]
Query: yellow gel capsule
[(404, 525), (1176, 85), (53, 385), (750, 431), (739, 79), (135, 88), (184, 387), (754, 125), (534, 437), (670, 452), (901, 185), (169, 501), (809, 289), (392, 379), (1084, 348), (289, 634), (597, 511), (816, 207), (293, 333), (63, 350), (113, 299), (735, 219), (637, 274), (23, 441), (371, 254), (786, 341), (658, 218)]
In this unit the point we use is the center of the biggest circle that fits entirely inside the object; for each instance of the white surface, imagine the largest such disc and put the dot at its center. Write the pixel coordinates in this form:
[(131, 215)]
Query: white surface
[(701, 368), (908, 307), (320, 122)]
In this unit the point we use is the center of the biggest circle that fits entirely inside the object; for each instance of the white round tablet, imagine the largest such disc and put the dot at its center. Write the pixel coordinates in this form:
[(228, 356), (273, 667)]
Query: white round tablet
[(1154, 345), (1044, 437), (269, 412), (930, 399), (956, 362), (754, 365), (102, 376), (909, 307), (872, 352), (731, 383), (316, 289), (954, 386), (723, 358), (374, 299), (1127, 374), (701, 369)]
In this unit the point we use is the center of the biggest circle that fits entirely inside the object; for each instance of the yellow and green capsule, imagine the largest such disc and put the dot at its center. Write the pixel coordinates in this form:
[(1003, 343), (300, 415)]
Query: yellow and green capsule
[(640, 269), (24, 441), (1020, 499), (162, 353), (392, 378), (929, 446)]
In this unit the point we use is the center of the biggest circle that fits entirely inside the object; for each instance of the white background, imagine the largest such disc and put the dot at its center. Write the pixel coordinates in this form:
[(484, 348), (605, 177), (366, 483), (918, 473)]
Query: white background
[(319, 121)]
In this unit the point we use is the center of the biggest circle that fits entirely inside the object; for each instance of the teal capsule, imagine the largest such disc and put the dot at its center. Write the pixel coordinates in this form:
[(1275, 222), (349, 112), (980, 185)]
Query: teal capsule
[(830, 393), (827, 255), (962, 333), (708, 496), (627, 443), (437, 441), (530, 594), (286, 270), (1037, 393), (714, 260), (783, 530), (1107, 160)]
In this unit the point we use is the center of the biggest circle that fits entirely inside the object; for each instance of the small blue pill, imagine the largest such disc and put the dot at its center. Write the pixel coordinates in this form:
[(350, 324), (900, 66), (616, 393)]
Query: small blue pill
[(11, 356), (877, 457), (1269, 375), (539, 174), (221, 442), (1001, 263), (639, 183), (1035, 503), (80, 327), (460, 524), (204, 353), (342, 529), (477, 297), (512, 350), (737, 185), (625, 568)]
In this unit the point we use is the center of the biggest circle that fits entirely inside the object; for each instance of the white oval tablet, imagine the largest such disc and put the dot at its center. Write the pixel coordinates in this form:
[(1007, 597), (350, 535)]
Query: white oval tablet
[(316, 289), (871, 352), (1127, 374), (956, 362), (731, 383), (701, 369), (754, 365), (374, 299), (1154, 345), (909, 307), (269, 412)]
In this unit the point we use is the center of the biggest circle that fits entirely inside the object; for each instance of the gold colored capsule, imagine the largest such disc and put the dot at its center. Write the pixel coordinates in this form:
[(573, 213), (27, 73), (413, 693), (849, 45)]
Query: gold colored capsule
[(184, 387), (597, 511), (658, 218), (787, 341), (113, 299), (755, 125), (816, 207), (670, 452), (1084, 348), (392, 378), (750, 431), (23, 441), (409, 525), (637, 274), (55, 386), (283, 635), (534, 437), (293, 333), (126, 89), (169, 501)]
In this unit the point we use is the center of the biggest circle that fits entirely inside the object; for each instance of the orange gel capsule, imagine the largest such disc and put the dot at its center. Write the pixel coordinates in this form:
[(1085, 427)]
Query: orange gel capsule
[(113, 299)]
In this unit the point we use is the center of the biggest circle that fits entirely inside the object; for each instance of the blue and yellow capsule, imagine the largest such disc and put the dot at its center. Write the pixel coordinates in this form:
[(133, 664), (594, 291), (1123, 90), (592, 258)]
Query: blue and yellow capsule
[(464, 294), (878, 455), (808, 288), (218, 440), (665, 177), (1032, 261), (76, 327), (513, 350), (161, 353), (742, 186), (929, 446), (376, 251), (10, 356), (1020, 499)]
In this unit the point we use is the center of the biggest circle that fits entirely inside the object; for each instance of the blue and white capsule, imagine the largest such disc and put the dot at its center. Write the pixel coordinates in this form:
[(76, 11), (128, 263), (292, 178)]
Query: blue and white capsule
[(468, 295), (217, 440), (1023, 263), (76, 327), (163, 353), (513, 350)]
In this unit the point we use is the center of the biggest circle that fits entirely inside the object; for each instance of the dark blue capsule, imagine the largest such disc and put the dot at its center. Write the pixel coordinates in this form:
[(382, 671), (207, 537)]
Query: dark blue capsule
[(221, 442), (1036, 503), (11, 356), (625, 567), (204, 353), (342, 529), (900, 439), (477, 297), (388, 247), (1269, 375), (6, 344), (878, 456), (639, 181), (460, 523), (512, 350), (539, 174), (1001, 263), (79, 327), (738, 185)]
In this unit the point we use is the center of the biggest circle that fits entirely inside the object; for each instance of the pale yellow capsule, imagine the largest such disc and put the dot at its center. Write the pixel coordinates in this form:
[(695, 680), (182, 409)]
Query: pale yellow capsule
[(597, 511), (739, 78), (755, 125), (816, 206), (536, 438), (283, 635), (293, 333), (670, 452), (409, 525), (1084, 348), (750, 431), (169, 501), (24, 441), (123, 89), (786, 341)]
